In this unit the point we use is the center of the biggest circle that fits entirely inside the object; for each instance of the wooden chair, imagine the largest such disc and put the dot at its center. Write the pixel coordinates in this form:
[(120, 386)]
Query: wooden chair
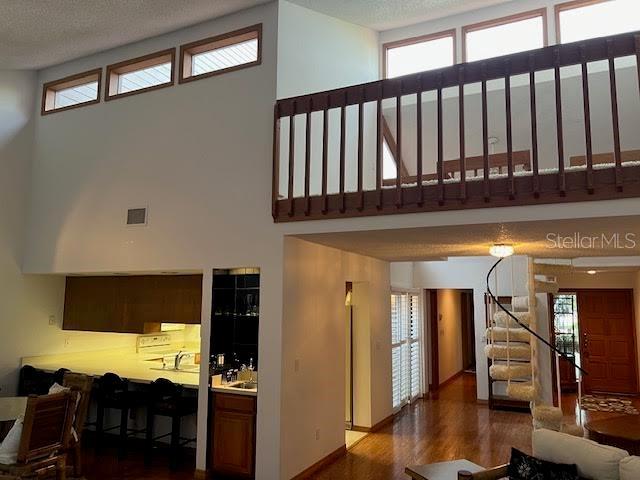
[(82, 384), (46, 433), (494, 473)]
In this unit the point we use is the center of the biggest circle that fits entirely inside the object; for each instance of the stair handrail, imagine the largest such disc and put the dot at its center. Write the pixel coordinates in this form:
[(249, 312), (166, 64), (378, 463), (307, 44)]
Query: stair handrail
[(504, 309)]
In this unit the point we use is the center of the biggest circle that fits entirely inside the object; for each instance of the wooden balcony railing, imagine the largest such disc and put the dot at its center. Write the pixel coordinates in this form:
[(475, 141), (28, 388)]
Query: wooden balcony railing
[(329, 147)]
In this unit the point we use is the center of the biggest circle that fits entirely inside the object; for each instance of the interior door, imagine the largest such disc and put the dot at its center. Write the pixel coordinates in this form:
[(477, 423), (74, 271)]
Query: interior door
[(608, 340)]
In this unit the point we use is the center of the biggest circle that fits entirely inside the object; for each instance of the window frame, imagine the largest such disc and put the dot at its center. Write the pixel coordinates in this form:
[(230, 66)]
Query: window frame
[(414, 40), (496, 22), (570, 5), (134, 64), (187, 50), (68, 82)]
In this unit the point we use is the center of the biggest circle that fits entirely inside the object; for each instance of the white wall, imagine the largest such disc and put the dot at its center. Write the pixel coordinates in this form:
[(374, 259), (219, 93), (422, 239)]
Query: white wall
[(313, 340), (449, 334), (402, 275)]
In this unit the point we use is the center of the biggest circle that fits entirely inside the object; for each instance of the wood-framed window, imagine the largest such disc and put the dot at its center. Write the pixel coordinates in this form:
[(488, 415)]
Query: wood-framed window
[(71, 92), (142, 74), (418, 54), (583, 19), (504, 36), (221, 54)]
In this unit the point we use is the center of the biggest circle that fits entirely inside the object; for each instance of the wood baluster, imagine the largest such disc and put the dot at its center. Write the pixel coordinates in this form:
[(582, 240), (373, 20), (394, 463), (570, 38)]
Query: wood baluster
[(587, 118), (275, 183), (379, 150), (485, 136), (534, 126), (292, 134), (307, 162), (419, 147), (440, 166), (325, 156), (463, 171), (562, 181), (614, 116), (343, 129), (360, 149), (399, 163), (507, 102)]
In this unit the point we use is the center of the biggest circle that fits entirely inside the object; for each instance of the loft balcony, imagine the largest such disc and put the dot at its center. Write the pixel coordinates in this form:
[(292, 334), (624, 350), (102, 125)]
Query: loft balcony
[(558, 124)]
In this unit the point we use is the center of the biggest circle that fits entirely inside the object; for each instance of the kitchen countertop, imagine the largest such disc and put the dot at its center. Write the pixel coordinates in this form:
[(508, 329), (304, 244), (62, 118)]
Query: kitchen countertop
[(253, 392), (137, 368)]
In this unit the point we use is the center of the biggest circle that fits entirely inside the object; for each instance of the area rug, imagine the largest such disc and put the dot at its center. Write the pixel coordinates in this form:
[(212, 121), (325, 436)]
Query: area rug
[(596, 403)]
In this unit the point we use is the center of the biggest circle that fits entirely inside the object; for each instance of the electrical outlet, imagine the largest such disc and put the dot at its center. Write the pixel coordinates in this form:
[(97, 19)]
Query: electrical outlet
[(67, 341), (52, 319), (317, 434)]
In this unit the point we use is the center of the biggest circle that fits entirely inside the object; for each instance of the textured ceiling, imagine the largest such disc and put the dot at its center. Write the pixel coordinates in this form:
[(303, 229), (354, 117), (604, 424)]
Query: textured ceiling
[(38, 33), (386, 14), (539, 239)]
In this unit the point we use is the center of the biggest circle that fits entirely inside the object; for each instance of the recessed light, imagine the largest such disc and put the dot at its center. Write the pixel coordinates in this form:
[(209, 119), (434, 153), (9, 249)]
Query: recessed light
[(591, 272)]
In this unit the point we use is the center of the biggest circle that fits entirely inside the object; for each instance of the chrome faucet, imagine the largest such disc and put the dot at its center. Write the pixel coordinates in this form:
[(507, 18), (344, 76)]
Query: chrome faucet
[(179, 357)]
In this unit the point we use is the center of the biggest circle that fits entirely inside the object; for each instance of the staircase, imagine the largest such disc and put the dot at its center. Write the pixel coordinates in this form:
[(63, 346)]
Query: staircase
[(514, 346)]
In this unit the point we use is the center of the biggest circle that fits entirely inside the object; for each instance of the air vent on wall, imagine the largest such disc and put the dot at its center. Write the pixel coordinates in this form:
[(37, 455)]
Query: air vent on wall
[(137, 216)]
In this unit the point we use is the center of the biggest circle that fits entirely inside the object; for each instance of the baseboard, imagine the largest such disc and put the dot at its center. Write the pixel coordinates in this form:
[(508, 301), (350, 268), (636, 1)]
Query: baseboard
[(319, 465), (451, 379), (376, 427), (200, 475)]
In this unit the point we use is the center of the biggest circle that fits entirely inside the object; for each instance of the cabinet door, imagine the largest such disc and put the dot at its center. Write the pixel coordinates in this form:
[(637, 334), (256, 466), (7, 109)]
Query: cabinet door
[(233, 442), (181, 298), (92, 304)]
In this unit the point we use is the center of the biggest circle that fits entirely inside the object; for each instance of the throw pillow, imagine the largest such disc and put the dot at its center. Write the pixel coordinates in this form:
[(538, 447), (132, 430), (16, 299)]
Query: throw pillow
[(9, 447)]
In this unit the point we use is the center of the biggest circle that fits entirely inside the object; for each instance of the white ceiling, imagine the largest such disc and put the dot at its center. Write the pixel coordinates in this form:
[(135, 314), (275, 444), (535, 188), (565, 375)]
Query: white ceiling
[(528, 238), (387, 14), (38, 33)]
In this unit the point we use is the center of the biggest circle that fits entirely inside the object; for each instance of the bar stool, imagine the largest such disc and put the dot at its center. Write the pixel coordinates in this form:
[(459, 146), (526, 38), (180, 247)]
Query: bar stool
[(113, 392), (166, 399), (32, 382)]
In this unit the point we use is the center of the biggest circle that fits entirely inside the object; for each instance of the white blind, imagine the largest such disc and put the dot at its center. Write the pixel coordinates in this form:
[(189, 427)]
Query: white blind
[(406, 350)]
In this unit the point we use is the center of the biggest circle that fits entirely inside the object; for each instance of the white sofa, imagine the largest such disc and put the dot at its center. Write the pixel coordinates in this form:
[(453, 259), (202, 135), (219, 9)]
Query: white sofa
[(594, 461)]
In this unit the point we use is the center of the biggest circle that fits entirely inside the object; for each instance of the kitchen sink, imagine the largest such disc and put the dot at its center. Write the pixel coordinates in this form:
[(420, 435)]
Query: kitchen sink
[(245, 385), (183, 369)]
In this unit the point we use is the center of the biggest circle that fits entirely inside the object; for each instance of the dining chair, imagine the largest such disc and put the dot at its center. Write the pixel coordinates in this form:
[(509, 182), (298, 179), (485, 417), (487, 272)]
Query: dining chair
[(82, 384), (46, 433)]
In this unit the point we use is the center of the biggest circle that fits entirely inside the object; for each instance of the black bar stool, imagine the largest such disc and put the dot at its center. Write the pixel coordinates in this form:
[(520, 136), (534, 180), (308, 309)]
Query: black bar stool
[(166, 399), (113, 392)]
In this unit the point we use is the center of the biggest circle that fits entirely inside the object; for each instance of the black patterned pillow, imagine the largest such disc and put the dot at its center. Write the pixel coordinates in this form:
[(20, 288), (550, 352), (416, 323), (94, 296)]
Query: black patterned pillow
[(525, 467)]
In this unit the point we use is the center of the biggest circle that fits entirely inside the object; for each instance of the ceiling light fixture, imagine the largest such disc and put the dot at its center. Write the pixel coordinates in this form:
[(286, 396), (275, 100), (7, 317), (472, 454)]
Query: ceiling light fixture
[(591, 272), (501, 250)]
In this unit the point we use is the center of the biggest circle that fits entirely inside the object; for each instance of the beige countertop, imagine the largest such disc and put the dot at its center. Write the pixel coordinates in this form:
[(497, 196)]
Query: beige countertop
[(228, 388), (137, 368)]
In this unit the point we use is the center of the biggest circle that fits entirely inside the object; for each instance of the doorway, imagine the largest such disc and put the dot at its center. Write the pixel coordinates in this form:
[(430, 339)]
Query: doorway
[(608, 349)]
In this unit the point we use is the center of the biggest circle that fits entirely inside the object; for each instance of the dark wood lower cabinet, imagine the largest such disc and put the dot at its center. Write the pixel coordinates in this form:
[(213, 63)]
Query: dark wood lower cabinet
[(233, 435)]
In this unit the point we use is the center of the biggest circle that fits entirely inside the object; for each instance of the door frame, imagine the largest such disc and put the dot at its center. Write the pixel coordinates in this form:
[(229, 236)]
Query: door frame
[(554, 373), (434, 365)]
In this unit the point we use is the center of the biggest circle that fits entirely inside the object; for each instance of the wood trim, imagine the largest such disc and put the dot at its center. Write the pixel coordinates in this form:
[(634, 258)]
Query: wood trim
[(435, 355), (377, 426), (212, 43), (419, 39), (452, 378), (138, 63), (322, 463), (49, 89), (563, 7), (495, 22)]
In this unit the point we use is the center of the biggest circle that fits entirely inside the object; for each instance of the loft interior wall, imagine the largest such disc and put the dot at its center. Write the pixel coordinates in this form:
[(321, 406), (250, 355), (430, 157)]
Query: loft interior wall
[(313, 366)]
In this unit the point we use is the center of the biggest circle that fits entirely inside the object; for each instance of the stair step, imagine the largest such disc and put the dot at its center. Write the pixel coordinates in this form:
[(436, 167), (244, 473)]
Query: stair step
[(547, 413), (515, 334), (501, 319), (520, 304), (546, 287), (516, 352), (551, 269), (502, 372), (522, 391)]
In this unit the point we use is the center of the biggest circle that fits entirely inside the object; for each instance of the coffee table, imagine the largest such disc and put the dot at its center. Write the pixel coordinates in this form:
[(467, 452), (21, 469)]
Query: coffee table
[(622, 432), (442, 470)]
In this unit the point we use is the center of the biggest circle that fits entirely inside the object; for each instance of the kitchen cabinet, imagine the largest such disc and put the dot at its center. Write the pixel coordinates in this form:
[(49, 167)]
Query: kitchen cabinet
[(131, 304), (233, 438)]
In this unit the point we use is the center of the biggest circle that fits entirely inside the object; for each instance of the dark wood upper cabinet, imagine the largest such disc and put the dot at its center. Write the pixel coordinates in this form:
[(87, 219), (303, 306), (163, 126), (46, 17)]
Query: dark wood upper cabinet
[(131, 304)]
